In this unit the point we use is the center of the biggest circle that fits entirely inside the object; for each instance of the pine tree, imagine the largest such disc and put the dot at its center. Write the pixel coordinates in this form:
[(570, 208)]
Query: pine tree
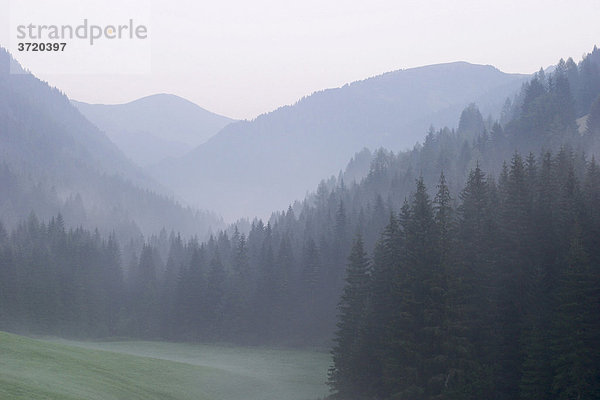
[(591, 217), (175, 261), (577, 354), (387, 256), (345, 377), (470, 124), (145, 294), (592, 127), (536, 380), (429, 289), (515, 277), (474, 290), (216, 281), (444, 219)]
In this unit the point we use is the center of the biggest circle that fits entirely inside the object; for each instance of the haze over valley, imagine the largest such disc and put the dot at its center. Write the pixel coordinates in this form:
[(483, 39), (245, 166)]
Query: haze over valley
[(428, 233), (251, 168)]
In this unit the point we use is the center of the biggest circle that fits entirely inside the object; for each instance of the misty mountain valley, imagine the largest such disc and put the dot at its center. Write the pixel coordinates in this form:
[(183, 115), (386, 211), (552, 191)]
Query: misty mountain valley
[(426, 233)]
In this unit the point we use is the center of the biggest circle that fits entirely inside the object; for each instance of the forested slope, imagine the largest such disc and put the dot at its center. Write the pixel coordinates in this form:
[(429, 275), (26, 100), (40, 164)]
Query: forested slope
[(54, 160), (280, 281)]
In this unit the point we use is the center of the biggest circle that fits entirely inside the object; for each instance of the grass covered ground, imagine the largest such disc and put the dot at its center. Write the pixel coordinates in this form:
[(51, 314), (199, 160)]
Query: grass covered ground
[(58, 369)]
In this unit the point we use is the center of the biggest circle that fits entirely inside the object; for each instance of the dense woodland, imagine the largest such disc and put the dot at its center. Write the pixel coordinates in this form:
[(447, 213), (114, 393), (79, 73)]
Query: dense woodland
[(493, 293), (496, 298), (480, 284)]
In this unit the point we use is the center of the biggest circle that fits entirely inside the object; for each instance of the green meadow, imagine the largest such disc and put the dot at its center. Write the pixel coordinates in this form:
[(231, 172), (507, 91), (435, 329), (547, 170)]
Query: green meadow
[(60, 369)]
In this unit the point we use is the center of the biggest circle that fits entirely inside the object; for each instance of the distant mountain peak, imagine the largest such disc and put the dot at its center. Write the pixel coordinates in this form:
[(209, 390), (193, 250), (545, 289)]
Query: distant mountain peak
[(155, 127), (52, 159), (252, 167)]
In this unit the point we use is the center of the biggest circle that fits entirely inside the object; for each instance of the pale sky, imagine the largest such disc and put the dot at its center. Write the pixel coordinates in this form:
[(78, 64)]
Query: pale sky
[(243, 58)]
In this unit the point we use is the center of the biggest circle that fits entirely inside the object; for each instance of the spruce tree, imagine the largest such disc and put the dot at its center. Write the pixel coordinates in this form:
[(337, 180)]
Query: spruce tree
[(475, 310), (387, 256), (345, 377), (577, 354)]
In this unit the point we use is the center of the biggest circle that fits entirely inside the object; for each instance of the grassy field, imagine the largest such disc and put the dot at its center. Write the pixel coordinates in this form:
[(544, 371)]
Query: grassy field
[(58, 369)]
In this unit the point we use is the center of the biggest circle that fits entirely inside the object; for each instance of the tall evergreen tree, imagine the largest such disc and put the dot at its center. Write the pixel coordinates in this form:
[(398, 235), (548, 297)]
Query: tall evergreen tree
[(349, 353), (577, 325)]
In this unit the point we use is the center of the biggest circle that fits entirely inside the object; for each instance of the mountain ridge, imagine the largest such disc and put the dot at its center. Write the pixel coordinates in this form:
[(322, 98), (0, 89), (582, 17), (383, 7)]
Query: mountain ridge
[(381, 111), (53, 160), (154, 127)]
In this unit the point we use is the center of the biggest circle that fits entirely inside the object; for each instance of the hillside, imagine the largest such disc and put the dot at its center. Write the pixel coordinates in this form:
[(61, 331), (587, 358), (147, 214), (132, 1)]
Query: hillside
[(483, 238), (282, 280), (279, 281), (253, 167), (52, 159), (156, 127), (488, 291)]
